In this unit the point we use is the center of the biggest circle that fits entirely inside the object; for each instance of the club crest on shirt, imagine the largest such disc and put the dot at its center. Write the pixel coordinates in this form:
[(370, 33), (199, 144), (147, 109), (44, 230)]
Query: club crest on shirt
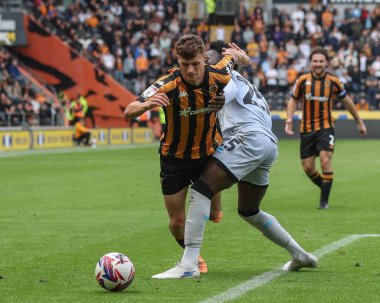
[(149, 92), (213, 88)]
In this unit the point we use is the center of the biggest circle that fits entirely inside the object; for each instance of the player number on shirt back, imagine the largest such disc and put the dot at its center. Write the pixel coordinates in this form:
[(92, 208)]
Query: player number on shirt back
[(254, 97)]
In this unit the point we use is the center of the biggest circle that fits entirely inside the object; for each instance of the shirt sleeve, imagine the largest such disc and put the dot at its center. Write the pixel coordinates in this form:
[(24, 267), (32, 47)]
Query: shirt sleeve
[(296, 89), (164, 84), (222, 71), (341, 92)]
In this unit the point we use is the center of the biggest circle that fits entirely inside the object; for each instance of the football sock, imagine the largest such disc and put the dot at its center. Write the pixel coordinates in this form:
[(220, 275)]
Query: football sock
[(197, 216), (181, 242), (316, 179), (327, 180), (271, 229)]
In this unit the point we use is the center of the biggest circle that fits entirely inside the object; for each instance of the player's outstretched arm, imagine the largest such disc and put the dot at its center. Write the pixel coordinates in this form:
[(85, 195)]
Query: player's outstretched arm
[(349, 105), (137, 108), (290, 109), (238, 54)]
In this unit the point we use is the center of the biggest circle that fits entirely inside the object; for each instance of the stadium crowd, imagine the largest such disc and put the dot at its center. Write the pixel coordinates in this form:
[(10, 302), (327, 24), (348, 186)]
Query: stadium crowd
[(21, 103), (133, 41)]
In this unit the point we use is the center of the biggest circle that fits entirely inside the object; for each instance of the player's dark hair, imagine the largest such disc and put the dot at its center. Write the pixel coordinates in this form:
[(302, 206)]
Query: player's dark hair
[(189, 46), (319, 50), (218, 46)]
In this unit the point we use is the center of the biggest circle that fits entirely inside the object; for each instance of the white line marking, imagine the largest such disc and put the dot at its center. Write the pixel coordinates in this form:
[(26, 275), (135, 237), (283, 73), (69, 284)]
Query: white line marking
[(267, 277)]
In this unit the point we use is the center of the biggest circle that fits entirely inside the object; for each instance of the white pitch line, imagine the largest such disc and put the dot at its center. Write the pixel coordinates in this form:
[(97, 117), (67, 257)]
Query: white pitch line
[(267, 277)]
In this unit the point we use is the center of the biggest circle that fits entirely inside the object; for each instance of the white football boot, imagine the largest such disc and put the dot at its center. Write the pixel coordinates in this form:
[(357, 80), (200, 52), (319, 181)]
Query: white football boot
[(308, 260), (179, 272)]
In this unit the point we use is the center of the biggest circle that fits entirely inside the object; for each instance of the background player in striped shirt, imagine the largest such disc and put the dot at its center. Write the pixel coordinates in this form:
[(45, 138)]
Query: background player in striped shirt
[(317, 90), (191, 134)]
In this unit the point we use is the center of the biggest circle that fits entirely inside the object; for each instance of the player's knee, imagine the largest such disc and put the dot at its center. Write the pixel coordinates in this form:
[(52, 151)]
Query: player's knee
[(309, 170), (244, 213), (177, 224), (203, 189), (325, 163)]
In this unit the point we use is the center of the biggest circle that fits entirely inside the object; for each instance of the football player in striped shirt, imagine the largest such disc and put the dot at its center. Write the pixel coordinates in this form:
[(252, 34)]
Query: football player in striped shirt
[(317, 90), (191, 134)]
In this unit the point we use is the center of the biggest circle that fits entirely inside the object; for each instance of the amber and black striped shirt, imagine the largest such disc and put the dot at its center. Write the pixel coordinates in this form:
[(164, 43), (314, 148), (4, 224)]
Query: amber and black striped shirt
[(318, 96), (191, 128)]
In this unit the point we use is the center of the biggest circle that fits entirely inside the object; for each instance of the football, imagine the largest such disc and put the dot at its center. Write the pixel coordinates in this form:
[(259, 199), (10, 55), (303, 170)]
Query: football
[(114, 271)]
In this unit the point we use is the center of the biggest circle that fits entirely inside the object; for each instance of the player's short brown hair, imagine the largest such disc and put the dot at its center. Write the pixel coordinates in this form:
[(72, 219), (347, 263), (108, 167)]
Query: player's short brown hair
[(319, 50), (189, 46)]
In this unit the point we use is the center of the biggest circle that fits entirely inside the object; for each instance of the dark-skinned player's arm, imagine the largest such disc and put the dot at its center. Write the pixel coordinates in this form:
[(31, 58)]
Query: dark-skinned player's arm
[(217, 102), (240, 56)]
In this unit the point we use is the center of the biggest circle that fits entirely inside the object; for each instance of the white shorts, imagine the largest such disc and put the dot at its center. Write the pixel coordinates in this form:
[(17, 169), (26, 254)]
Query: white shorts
[(248, 157)]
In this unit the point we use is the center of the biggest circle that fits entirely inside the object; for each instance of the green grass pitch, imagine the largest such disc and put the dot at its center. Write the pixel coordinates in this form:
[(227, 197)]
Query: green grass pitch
[(61, 211)]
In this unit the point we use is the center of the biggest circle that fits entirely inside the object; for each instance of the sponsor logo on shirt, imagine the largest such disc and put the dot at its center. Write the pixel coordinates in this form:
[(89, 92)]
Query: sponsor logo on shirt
[(310, 97), (188, 112)]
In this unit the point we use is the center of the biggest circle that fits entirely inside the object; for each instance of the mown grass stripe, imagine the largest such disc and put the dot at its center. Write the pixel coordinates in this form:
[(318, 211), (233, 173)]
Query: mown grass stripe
[(268, 277)]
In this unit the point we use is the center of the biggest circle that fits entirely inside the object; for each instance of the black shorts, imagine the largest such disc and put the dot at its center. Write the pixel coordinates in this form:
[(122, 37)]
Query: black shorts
[(176, 173), (312, 143)]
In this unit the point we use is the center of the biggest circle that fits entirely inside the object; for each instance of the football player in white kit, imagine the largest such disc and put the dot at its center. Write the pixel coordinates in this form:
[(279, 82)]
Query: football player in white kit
[(248, 151)]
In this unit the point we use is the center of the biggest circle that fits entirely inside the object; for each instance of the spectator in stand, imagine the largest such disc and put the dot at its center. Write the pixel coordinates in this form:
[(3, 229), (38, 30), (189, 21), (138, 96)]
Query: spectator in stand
[(376, 67), (272, 78), (45, 114), (14, 71), (253, 50), (210, 8), (362, 104), (298, 17), (277, 36), (372, 88)]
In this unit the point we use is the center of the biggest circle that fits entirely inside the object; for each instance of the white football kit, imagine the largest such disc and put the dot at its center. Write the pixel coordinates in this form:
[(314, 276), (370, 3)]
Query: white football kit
[(249, 146)]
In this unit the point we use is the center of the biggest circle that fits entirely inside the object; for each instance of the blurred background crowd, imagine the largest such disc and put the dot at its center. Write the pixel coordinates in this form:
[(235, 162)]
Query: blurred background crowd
[(133, 41)]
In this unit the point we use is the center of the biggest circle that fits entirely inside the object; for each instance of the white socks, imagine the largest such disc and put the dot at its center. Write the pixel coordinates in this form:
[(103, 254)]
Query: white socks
[(198, 214), (271, 229)]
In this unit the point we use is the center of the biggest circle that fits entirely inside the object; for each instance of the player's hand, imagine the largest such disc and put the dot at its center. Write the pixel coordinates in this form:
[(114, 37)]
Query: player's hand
[(159, 99), (362, 128), (217, 102), (289, 128), (238, 54)]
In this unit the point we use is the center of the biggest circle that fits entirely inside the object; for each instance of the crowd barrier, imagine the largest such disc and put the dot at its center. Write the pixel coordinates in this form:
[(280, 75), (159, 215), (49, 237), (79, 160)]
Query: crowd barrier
[(44, 138)]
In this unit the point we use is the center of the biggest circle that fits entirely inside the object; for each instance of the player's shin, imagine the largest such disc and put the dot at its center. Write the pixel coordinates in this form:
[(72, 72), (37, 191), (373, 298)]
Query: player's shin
[(199, 211), (316, 179), (327, 180), (273, 230)]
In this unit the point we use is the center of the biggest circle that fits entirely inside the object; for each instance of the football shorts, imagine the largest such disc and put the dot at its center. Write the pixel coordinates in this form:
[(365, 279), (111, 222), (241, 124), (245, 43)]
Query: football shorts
[(247, 157), (177, 173), (312, 143)]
